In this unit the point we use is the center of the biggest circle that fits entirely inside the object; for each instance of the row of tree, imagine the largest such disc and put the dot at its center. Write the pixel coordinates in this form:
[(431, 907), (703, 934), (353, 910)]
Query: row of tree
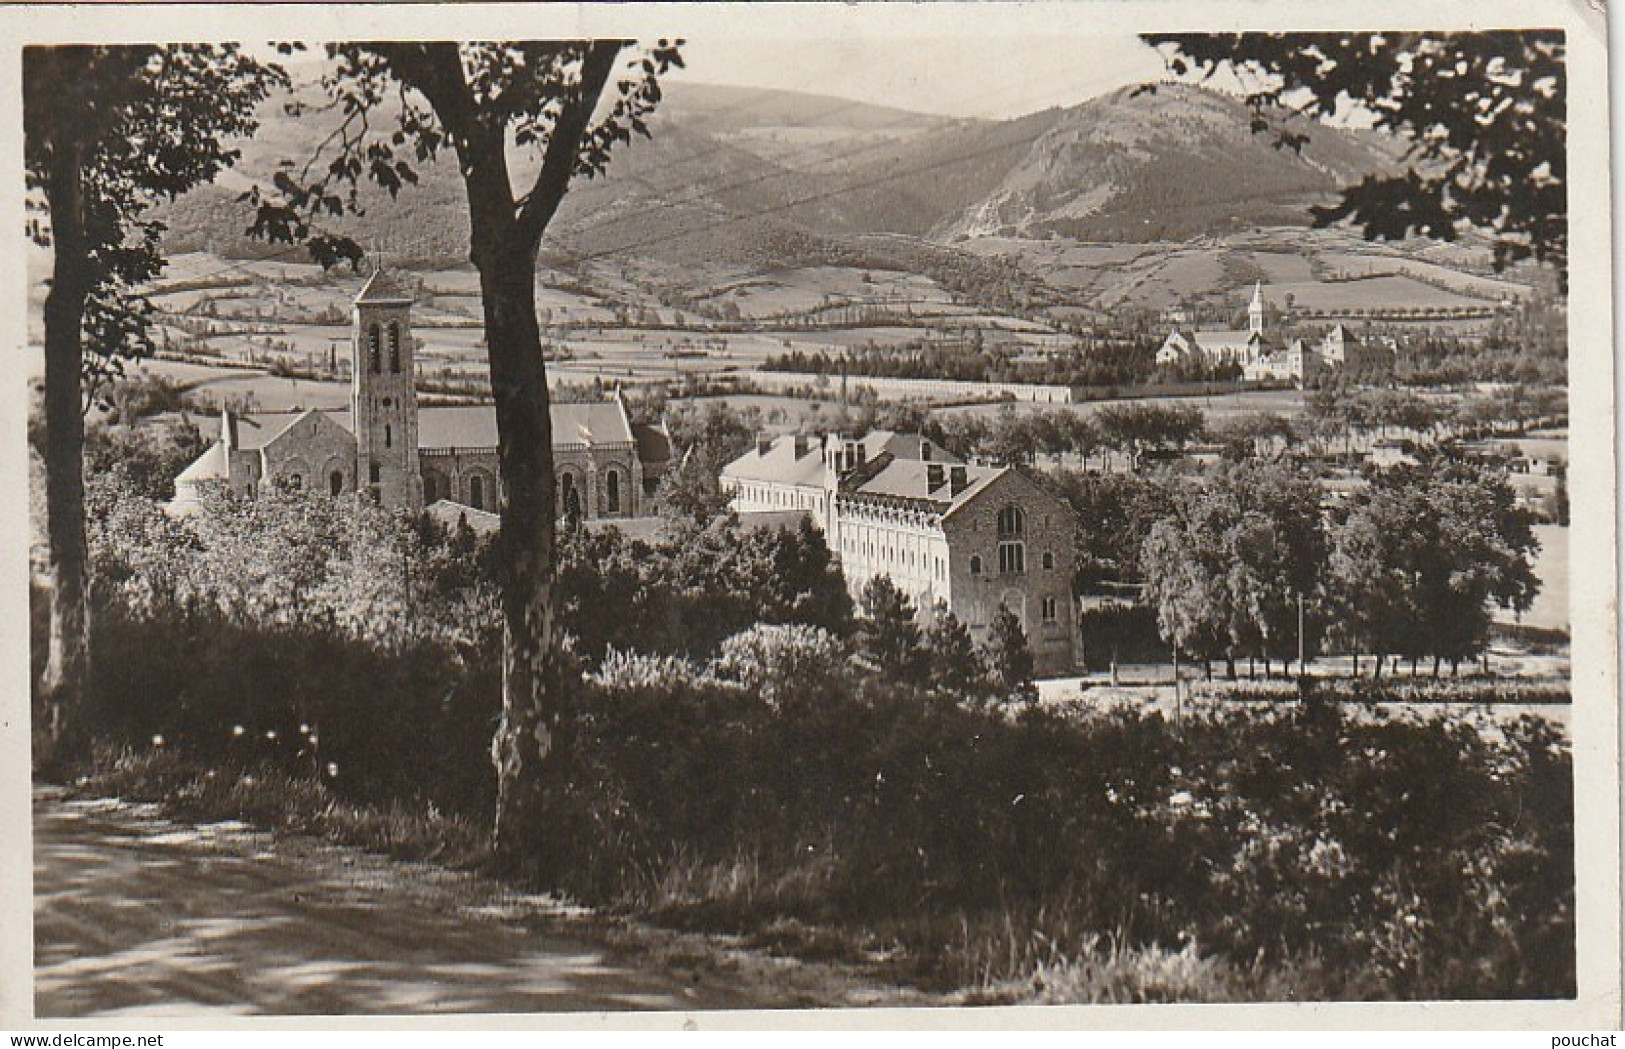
[(1249, 561), (1113, 363)]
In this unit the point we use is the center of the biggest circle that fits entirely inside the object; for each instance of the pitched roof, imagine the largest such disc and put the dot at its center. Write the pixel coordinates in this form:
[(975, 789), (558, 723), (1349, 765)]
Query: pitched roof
[(258, 429), (449, 515), (381, 289), (475, 426), (904, 446), (1224, 338), (591, 422), (781, 464), (472, 426), (212, 465), (910, 479), (654, 443)]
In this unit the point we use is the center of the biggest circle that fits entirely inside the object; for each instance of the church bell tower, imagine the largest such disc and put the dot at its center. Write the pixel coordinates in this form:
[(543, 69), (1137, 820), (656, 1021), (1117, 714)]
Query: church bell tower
[(1255, 310), (383, 401)]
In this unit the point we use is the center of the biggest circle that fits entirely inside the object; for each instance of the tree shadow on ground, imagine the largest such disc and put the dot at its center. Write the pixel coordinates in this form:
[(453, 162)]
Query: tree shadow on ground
[(135, 915)]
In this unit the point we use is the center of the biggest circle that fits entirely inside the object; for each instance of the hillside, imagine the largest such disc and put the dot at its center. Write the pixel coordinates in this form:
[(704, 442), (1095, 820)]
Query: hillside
[(737, 181), (1165, 165)]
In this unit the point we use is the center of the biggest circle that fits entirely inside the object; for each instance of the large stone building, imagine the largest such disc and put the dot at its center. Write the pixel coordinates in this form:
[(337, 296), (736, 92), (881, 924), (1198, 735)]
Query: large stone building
[(1212, 347), (1302, 363), (968, 538), (408, 457)]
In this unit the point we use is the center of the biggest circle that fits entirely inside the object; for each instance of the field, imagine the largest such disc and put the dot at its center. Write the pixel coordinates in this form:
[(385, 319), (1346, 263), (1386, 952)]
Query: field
[(1330, 271), (1279, 402)]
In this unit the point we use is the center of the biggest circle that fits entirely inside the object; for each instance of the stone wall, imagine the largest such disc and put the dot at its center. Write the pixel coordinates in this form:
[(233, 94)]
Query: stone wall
[(452, 474), (1049, 526), (309, 453)]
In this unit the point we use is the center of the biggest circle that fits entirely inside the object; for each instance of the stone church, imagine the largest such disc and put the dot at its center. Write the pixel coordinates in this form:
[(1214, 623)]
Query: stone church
[(411, 458)]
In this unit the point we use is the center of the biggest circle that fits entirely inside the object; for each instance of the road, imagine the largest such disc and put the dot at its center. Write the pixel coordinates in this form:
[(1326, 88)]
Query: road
[(139, 916)]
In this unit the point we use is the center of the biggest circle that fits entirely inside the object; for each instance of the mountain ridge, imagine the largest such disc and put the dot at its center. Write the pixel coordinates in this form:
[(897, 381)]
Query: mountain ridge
[(739, 177)]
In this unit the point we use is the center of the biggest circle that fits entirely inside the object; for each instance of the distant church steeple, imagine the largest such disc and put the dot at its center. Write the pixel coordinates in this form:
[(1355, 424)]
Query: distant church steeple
[(383, 399), (1255, 310)]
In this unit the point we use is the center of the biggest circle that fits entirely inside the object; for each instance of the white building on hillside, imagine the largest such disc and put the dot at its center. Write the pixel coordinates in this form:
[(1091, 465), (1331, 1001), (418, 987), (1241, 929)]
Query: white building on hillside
[(1218, 346)]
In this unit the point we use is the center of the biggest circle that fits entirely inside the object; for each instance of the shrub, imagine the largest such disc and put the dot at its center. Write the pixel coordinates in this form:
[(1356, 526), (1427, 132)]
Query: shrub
[(1468, 691), (1403, 855), (777, 662)]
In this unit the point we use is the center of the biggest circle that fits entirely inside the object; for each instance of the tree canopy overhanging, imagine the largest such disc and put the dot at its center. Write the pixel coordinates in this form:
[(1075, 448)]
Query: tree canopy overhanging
[(1485, 114)]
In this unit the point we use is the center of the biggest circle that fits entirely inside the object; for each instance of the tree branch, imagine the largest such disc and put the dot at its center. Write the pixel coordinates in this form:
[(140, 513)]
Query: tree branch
[(564, 142)]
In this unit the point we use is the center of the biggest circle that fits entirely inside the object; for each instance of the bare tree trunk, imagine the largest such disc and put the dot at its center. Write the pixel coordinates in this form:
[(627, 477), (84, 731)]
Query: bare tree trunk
[(64, 715), (533, 682), (505, 236)]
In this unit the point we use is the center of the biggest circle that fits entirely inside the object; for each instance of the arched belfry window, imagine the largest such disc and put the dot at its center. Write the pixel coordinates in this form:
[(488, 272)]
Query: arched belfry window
[(372, 348), (1012, 551), (394, 347)]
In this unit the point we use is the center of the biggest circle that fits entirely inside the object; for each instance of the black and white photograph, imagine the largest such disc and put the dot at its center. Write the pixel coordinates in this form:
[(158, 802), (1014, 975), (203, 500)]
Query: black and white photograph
[(679, 510)]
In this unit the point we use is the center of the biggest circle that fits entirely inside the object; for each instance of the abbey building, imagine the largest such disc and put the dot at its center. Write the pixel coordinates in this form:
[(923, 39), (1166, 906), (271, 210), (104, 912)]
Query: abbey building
[(949, 534), (410, 457)]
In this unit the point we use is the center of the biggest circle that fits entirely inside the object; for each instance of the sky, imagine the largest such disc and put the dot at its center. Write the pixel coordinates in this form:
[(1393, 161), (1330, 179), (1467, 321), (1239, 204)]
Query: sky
[(961, 76)]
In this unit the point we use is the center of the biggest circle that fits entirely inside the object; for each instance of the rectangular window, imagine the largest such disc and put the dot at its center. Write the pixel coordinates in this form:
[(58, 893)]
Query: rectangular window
[(1012, 558), (1049, 609), (373, 473)]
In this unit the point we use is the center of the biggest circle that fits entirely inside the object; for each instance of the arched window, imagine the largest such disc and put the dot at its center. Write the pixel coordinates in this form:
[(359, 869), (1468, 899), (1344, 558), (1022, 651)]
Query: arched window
[(569, 496), (1011, 522), (975, 564), (394, 347), (296, 481), (372, 348), (612, 491), (476, 492), (335, 482)]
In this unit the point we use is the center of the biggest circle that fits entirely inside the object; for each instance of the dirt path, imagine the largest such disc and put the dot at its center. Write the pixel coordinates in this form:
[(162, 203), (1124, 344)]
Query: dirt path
[(137, 915)]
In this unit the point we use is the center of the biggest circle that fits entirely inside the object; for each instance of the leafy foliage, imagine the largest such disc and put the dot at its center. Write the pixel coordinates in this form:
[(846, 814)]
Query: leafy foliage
[(146, 124), (1485, 113), (1422, 553), (1226, 570)]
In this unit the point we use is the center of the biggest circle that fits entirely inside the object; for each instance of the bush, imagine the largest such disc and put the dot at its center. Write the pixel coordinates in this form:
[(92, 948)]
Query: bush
[(374, 724), (1468, 691), (1403, 856)]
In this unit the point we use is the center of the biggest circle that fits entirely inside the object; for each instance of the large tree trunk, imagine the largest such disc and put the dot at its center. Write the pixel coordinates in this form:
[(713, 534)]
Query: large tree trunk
[(64, 717), (533, 684), (504, 239)]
